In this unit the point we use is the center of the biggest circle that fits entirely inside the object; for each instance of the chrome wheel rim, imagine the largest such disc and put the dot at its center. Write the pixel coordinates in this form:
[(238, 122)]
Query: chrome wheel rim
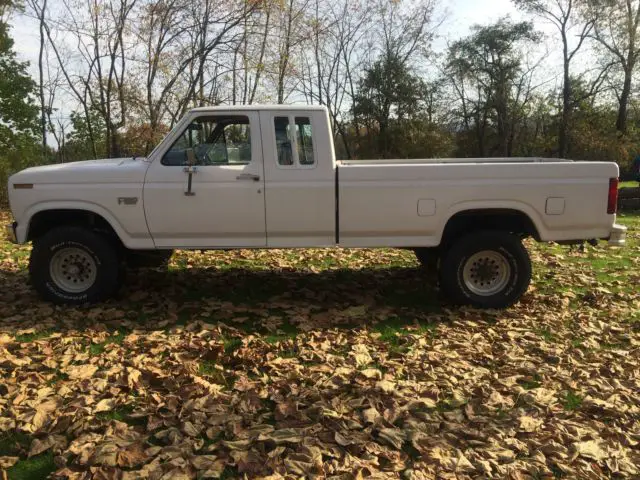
[(486, 273), (73, 270)]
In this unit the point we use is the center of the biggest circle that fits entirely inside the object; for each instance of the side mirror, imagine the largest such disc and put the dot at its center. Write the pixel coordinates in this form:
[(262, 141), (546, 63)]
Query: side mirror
[(191, 157)]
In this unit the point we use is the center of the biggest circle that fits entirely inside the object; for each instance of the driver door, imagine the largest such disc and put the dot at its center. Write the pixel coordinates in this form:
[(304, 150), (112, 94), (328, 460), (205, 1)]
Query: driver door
[(207, 189)]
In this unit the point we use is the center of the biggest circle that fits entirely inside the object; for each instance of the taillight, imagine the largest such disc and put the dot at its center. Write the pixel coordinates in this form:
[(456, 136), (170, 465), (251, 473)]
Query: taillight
[(612, 205)]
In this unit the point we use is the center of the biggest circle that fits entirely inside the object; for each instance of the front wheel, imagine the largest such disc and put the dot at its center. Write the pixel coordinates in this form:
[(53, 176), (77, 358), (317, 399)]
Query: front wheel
[(486, 270), (73, 265)]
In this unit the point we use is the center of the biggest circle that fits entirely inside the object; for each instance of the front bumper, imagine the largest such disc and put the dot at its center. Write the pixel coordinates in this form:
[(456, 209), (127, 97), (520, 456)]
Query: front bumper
[(10, 232), (618, 237)]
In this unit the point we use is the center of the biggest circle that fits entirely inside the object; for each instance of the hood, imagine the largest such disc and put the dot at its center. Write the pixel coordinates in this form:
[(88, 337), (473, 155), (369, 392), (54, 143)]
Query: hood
[(121, 170)]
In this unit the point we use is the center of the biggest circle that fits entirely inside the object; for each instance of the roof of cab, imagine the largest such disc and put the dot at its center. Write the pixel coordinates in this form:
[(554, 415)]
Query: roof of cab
[(254, 107)]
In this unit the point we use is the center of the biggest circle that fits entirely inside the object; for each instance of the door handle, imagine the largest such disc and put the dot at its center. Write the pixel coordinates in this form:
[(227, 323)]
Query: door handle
[(248, 176)]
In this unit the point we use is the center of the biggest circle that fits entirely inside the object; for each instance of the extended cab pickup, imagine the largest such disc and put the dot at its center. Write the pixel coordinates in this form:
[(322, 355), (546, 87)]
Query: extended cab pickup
[(267, 177)]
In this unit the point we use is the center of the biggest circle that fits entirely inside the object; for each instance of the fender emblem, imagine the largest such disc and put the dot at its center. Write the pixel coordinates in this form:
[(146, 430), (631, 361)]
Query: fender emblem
[(127, 200)]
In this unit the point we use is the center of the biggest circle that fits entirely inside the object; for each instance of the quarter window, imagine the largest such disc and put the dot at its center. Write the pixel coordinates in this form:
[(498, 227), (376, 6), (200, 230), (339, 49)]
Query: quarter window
[(283, 140), (304, 139), (294, 146)]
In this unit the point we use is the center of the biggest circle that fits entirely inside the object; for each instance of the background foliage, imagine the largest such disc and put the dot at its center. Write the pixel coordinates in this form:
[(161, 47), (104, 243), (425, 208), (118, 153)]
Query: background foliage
[(115, 75)]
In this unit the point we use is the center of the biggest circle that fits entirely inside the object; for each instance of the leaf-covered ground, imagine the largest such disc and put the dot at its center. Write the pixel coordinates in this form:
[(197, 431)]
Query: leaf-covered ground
[(339, 364)]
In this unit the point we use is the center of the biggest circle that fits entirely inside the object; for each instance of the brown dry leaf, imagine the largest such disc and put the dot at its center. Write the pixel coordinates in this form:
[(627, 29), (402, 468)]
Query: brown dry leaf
[(386, 386), (10, 360), (371, 415), (208, 466), (7, 424), (105, 405), (7, 462), (38, 446), (285, 435), (371, 373), (591, 449), (105, 454), (530, 424), (393, 436), (131, 456), (80, 372)]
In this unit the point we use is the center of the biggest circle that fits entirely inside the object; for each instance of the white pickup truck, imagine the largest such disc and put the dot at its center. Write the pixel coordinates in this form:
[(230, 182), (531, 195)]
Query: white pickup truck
[(267, 177)]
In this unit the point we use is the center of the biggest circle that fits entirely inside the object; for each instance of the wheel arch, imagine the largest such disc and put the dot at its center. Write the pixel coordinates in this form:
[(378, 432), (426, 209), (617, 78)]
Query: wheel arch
[(42, 217), (513, 219)]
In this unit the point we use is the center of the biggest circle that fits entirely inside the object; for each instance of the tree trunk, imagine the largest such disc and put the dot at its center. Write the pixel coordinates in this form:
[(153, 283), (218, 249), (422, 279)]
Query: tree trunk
[(43, 106), (563, 141), (621, 122)]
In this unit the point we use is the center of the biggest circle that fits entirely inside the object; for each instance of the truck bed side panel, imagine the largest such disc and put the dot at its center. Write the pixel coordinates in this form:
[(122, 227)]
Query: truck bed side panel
[(409, 204)]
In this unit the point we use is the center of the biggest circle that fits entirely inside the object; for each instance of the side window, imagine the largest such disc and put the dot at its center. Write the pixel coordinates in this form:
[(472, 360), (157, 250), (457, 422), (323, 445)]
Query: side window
[(219, 140), (283, 140), (304, 140), (286, 135)]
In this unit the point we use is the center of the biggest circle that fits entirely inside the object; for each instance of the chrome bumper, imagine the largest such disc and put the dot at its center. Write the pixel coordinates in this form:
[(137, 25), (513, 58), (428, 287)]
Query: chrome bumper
[(618, 237), (10, 232)]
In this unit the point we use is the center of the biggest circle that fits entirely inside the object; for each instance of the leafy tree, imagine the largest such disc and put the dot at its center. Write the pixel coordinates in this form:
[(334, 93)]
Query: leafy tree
[(388, 93), (18, 112), (616, 32), (83, 141), (571, 19), (493, 84)]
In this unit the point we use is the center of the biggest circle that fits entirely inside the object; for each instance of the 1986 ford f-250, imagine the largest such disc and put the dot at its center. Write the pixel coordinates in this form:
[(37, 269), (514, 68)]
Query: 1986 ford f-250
[(266, 177)]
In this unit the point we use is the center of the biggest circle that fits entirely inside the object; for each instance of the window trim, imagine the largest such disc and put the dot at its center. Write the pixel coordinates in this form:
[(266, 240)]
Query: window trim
[(294, 143)]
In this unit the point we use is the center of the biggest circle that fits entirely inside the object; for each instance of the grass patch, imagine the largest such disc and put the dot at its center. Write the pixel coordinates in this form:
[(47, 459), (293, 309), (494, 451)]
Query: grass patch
[(120, 414), (546, 335), (231, 344), (571, 401), (98, 348), (531, 383), (12, 444), (286, 331), (30, 337), (34, 468), (57, 377)]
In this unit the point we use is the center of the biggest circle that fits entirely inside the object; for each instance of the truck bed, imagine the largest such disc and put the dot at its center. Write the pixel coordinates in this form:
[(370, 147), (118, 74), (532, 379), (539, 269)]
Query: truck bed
[(409, 202)]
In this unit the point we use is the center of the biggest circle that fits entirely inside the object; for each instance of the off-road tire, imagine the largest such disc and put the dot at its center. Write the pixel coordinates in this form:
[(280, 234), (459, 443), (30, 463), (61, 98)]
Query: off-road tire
[(104, 255), (518, 278)]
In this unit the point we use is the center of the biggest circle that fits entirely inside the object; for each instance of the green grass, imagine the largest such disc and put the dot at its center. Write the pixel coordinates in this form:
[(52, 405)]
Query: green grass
[(121, 414), (571, 401), (34, 468), (98, 348), (14, 443), (629, 184), (31, 337), (547, 335)]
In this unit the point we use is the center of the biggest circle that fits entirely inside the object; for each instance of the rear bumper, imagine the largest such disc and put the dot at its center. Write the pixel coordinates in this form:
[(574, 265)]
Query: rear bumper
[(10, 232), (618, 237)]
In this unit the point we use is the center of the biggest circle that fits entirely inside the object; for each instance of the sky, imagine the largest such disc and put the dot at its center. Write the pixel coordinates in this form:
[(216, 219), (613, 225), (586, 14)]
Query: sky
[(458, 17)]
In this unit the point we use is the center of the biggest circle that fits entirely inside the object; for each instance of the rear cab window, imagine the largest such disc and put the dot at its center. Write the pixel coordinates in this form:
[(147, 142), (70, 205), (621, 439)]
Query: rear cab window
[(294, 142)]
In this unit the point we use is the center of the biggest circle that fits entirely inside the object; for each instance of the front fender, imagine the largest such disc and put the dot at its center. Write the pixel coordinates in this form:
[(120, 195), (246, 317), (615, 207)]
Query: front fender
[(129, 241)]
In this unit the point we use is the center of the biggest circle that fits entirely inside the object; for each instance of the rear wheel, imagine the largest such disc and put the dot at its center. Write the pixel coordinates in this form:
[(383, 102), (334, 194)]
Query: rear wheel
[(486, 269), (74, 265)]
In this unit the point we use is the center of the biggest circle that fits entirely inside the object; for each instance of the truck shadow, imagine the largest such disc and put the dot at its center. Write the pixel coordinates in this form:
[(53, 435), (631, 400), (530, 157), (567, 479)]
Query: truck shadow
[(232, 296), (382, 287)]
